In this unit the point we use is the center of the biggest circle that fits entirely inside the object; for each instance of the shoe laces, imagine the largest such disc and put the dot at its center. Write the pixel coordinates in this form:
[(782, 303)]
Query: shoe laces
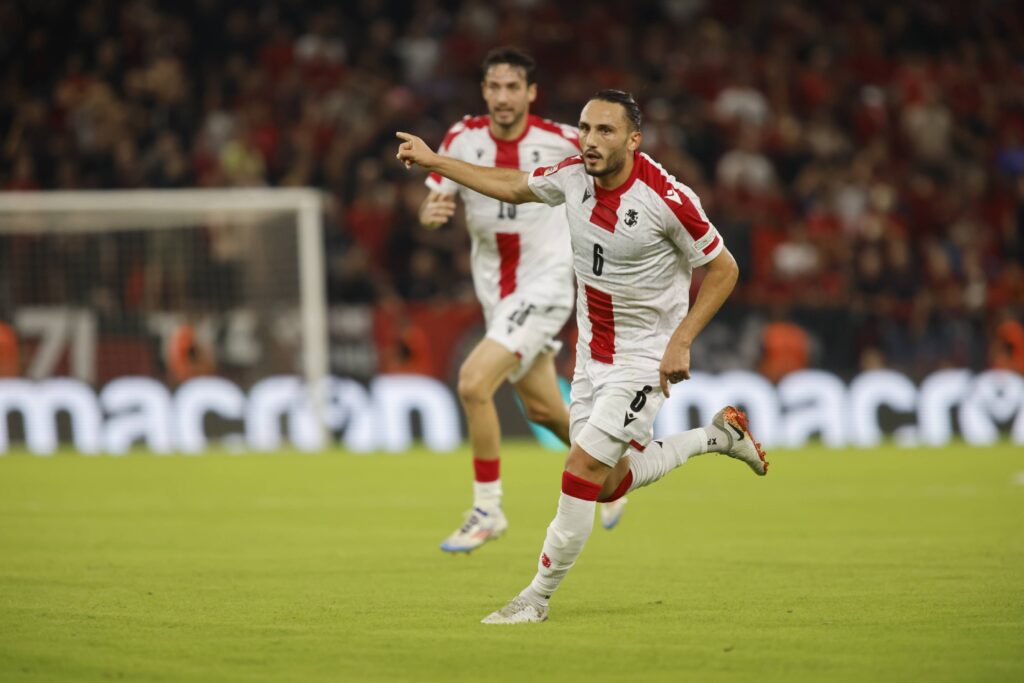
[(472, 518)]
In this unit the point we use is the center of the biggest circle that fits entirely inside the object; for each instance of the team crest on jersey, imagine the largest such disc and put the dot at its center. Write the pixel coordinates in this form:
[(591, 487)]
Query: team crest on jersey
[(479, 154), (631, 219)]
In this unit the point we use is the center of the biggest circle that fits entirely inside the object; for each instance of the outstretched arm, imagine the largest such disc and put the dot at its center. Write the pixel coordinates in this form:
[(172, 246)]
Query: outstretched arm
[(722, 273), (504, 184)]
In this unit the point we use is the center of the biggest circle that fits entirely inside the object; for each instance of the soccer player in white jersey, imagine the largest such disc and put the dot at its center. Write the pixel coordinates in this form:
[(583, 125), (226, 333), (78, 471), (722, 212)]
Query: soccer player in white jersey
[(522, 274), (637, 233)]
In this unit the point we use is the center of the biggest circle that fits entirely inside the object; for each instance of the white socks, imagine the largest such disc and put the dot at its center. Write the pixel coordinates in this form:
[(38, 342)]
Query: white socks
[(567, 534), (664, 455), (487, 494)]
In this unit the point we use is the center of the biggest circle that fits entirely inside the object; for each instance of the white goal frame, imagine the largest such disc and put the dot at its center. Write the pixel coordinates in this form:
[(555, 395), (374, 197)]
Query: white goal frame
[(54, 212)]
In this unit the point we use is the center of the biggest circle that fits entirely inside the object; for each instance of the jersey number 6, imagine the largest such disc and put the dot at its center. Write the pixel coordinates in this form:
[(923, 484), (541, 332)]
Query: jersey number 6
[(598, 259)]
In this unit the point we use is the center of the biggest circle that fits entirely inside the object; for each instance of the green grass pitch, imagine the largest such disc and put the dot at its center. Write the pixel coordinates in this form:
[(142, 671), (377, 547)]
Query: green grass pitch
[(882, 565)]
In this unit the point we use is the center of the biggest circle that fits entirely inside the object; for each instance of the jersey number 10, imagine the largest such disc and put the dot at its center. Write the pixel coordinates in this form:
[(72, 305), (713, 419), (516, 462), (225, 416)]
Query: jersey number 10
[(506, 210)]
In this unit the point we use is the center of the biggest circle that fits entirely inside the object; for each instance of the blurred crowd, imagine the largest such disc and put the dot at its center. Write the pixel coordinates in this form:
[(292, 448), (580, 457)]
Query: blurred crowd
[(864, 161)]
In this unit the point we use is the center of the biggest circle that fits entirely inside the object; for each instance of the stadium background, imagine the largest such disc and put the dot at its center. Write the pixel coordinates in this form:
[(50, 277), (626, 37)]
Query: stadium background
[(863, 164)]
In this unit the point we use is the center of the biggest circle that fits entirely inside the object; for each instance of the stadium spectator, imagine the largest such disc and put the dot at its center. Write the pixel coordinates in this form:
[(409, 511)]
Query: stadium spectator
[(10, 357)]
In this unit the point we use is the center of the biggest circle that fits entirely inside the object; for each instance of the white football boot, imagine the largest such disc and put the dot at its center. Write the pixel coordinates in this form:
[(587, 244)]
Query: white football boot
[(741, 444), (519, 611), (480, 526), (611, 512)]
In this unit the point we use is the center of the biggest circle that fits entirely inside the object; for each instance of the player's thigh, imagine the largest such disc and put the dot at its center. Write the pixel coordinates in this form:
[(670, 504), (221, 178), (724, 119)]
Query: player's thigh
[(581, 402), (539, 386), (486, 367), (527, 330), (595, 454)]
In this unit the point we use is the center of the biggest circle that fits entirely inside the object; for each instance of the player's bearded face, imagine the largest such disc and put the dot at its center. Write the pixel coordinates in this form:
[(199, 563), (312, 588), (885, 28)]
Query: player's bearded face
[(507, 94), (605, 137), (601, 162)]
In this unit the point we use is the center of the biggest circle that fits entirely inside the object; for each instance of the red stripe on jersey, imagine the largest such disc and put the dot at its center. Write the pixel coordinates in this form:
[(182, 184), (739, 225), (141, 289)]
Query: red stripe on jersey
[(467, 123), (606, 207), (552, 127), (711, 247), (454, 131), (602, 324), (508, 252), (606, 211), (636, 444), (564, 163), (674, 195), (507, 155)]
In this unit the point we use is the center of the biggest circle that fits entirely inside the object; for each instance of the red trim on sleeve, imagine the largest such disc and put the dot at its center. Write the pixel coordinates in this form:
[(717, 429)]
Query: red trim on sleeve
[(636, 444), (711, 247), (508, 253), (577, 487), (674, 194), (602, 324), (564, 163), (434, 177)]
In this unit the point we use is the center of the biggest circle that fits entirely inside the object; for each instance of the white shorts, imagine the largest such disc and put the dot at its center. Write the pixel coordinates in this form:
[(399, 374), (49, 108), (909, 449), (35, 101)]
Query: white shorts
[(526, 329), (623, 406)]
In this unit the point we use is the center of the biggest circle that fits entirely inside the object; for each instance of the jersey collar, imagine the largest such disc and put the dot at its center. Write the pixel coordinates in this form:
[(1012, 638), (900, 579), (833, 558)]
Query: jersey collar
[(514, 141)]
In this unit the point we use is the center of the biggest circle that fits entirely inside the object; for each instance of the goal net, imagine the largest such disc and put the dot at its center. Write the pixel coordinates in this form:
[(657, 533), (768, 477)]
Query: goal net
[(155, 318)]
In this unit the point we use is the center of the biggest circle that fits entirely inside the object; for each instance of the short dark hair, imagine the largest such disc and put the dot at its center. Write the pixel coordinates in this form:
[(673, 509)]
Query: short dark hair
[(513, 56), (632, 109)]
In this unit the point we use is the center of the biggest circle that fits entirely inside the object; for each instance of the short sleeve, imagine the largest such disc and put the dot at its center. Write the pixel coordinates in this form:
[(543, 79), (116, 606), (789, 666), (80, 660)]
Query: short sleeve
[(437, 182), (688, 226), (549, 182)]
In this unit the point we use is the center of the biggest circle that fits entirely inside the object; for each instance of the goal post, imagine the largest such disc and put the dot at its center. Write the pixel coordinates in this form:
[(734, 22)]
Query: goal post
[(255, 214)]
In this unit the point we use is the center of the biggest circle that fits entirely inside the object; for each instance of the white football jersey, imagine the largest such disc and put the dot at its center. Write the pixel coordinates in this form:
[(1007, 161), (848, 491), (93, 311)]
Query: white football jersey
[(516, 249), (635, 248)]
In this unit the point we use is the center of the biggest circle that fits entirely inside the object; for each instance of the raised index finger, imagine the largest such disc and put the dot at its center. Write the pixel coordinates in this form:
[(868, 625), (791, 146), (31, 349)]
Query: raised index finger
[(404, 136)]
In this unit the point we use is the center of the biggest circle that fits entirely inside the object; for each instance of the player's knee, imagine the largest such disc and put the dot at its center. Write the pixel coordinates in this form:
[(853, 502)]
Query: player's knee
[(582, 464), (472, 387), (540, 413)]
